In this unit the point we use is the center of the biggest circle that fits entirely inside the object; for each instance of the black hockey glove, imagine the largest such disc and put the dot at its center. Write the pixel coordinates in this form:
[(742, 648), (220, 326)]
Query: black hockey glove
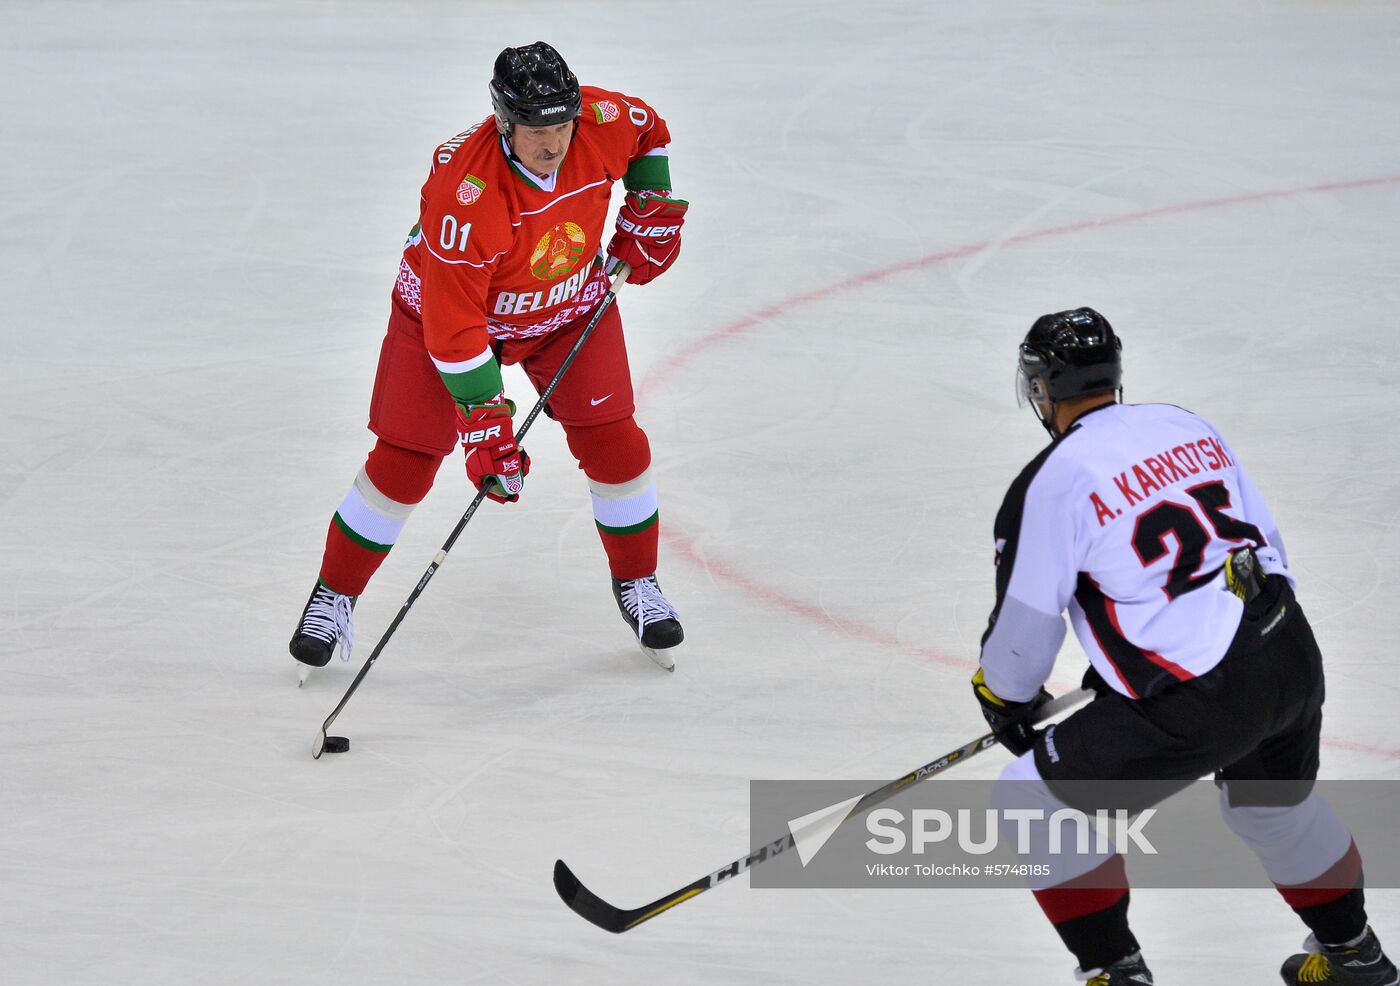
[(1012, 723)]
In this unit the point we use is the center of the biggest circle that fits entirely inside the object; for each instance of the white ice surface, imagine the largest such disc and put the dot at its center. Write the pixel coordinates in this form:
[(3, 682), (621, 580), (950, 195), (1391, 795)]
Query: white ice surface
[(202, 210)]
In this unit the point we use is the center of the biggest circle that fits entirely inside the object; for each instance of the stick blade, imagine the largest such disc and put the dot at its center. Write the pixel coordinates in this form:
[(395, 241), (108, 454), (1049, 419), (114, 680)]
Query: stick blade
[(585, 903), (593, 909)]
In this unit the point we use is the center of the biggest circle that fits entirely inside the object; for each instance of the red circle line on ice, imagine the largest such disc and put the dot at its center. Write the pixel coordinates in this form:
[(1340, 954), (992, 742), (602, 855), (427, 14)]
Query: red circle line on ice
[(814, 612)]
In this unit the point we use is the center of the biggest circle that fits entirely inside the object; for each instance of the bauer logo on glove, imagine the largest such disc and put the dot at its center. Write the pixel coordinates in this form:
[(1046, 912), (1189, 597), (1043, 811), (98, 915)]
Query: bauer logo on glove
[(657, 233), (479, 436), (495, 463), (648, 236)]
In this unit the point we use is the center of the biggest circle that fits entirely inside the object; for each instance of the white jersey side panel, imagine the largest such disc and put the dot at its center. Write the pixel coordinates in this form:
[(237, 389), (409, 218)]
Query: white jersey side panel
[(1126, 522)]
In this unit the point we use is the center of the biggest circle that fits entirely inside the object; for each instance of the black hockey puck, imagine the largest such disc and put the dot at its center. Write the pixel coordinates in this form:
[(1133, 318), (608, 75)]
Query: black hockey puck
[(337, 744)]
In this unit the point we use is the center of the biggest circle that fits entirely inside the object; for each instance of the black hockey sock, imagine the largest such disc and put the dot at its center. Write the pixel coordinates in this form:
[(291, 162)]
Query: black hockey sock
[(1101, 938), (1333, 905), (1090, 913), (1337, 921)]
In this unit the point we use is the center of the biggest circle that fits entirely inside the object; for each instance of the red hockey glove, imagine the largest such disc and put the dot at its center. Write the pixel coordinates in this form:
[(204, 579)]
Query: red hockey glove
[(648, 234), (488, 438), (1012, 723)]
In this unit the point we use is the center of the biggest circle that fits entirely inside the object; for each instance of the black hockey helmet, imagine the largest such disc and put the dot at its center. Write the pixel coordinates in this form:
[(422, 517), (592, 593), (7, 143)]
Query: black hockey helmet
[(532, 87), (1066, 355)]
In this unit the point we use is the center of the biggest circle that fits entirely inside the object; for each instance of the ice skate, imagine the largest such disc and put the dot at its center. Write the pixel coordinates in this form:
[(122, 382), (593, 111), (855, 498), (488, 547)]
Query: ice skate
[(651, 616), (325, 623), (1130, 970), (1357, 963)]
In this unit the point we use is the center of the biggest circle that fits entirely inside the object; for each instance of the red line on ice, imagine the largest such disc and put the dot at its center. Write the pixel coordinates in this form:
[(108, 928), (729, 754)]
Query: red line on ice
[(812, 612), (683, 356)]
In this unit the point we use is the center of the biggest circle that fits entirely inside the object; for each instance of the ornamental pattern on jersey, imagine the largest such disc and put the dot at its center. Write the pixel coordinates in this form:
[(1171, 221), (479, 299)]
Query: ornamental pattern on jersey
[(586, 302), (558, 252), (606, 111), (470, 190), (409, 287)]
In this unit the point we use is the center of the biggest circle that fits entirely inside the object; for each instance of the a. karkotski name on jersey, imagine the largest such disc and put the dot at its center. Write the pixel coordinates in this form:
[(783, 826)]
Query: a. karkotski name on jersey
[(1157, 472), (510, 303)]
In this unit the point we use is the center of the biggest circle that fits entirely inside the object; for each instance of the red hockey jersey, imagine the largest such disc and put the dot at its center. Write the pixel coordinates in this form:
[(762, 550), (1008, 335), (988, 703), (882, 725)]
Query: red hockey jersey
[(497, 256)]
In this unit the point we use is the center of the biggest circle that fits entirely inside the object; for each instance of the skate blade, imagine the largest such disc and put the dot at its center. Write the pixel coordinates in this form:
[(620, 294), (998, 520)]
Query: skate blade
[(304, 673), (663, 658)]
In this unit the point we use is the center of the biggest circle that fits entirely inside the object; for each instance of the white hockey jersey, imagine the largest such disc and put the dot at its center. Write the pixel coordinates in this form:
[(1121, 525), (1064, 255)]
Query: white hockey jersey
[(1126, 521)]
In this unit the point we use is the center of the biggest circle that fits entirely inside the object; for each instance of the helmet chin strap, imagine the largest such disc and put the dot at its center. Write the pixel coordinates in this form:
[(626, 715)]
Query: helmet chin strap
[(1036, 401), (1048, 422)]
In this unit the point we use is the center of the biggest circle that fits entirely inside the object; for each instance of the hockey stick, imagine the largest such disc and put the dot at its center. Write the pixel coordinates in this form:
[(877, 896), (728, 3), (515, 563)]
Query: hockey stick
[(592, 908), (619, 278)]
